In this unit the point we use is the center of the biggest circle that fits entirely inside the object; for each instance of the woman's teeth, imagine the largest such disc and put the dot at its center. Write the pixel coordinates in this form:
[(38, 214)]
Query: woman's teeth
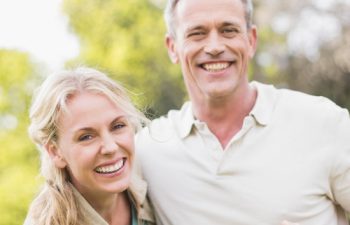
[(112, 168)]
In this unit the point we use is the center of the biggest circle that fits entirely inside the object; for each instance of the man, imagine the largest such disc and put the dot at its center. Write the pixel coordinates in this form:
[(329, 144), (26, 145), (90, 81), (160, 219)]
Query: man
[(238, 152)]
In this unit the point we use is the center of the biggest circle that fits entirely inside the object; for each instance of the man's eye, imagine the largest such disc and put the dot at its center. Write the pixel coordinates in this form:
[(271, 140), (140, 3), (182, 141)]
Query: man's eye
[(85, 137), (196, 33), (229, 30)]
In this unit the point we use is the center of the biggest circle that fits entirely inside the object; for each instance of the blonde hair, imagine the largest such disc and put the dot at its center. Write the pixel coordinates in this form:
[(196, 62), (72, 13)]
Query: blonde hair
[(55, 204)]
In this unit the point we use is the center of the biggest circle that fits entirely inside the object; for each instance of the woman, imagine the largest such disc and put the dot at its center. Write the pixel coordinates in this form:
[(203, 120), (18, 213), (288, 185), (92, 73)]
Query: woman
[(84, 125)]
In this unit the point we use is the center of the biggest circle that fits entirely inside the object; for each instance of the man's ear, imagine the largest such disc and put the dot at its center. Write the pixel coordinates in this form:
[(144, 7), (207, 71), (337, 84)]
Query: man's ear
[(170, 44), (55, 155), (253, 39)]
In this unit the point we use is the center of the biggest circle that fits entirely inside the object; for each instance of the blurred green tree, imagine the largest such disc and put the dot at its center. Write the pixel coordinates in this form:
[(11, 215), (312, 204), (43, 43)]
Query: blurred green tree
[(18, 161), (126, 38)]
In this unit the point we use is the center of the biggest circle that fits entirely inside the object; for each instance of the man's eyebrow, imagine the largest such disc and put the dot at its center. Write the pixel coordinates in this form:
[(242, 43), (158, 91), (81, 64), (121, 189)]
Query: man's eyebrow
[(230, 23), (201, 27)]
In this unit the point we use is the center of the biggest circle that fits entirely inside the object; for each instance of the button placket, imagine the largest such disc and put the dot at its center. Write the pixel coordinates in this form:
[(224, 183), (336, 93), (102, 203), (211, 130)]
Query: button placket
[(211, 143)]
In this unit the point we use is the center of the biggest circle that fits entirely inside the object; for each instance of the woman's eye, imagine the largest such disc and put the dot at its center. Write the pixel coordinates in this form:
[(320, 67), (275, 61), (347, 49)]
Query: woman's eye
[(118, 126), (85, 137)]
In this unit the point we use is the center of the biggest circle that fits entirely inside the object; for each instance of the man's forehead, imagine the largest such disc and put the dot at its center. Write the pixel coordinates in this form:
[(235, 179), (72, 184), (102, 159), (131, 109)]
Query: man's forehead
[(194, 8)]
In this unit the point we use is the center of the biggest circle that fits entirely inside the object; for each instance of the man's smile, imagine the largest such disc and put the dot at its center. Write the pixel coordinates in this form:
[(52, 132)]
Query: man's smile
[(215, 66)]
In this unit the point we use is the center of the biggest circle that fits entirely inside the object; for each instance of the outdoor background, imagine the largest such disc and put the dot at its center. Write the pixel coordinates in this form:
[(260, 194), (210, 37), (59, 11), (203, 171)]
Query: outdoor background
[(303, 45)]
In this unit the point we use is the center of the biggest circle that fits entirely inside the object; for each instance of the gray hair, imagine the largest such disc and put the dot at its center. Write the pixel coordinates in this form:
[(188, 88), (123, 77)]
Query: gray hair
[(169, 15)]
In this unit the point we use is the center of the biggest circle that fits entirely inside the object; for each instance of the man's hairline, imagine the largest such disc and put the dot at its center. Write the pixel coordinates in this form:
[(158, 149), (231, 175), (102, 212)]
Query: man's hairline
[(170, 13)]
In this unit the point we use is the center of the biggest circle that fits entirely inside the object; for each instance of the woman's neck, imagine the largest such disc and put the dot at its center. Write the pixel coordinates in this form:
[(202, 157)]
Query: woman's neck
[(115, 209)]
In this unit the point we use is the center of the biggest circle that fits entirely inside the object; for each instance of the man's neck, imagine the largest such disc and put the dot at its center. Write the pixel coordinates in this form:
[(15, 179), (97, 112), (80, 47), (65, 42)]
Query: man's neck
[(224, 117)]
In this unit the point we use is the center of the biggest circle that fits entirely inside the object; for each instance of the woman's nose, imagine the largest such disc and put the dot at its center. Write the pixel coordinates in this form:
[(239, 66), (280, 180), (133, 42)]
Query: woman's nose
[(109, 144)]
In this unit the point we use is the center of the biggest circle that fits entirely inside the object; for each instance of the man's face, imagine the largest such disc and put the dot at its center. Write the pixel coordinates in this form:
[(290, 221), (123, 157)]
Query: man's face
[(213, 46)]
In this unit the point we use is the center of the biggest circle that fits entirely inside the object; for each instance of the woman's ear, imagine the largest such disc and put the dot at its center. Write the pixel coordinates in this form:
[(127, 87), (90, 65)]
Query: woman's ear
[(170, 44), (55, 155)]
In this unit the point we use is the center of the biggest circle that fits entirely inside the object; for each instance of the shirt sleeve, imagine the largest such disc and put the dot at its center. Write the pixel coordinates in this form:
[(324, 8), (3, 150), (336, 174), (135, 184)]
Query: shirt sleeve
[(340, 174)]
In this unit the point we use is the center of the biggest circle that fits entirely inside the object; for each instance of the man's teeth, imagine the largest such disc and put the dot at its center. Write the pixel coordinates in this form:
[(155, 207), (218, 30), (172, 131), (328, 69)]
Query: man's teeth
[(213, 67), (110, 169)]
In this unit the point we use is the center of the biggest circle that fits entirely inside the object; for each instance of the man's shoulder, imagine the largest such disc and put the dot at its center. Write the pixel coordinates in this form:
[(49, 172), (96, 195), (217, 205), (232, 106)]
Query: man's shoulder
[(317, 111), (297, 98), (304, 102), (162, 128), (166, 122), (299, 105)]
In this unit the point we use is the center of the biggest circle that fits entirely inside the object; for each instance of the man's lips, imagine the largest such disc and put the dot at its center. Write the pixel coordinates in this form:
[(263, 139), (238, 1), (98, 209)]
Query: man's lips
[(216, 66)]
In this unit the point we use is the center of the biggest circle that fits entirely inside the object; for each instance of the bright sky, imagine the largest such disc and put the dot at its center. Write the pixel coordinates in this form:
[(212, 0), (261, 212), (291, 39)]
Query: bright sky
[(38, 27)]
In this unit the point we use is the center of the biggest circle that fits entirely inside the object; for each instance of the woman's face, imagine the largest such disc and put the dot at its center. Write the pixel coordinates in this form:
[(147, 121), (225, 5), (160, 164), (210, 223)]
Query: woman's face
[(95, 144)]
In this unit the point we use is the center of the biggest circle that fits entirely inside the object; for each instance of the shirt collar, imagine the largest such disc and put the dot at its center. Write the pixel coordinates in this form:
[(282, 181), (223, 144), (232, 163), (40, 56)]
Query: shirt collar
[(137, 193), (262, 110), (137, 189), (185, 120), (264, 104), (89, 213)]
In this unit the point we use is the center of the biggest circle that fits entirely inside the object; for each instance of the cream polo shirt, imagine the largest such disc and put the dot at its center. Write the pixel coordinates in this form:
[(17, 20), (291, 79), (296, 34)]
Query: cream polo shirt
[(290, 160)]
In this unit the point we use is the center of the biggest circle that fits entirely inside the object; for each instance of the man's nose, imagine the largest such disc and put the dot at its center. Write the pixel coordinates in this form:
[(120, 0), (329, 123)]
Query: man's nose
[(214, 45)]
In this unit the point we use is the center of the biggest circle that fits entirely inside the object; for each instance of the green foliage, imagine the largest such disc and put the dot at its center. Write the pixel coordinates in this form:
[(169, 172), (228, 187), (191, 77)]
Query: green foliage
[(14, 69), (18, 157), (126, 38)]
